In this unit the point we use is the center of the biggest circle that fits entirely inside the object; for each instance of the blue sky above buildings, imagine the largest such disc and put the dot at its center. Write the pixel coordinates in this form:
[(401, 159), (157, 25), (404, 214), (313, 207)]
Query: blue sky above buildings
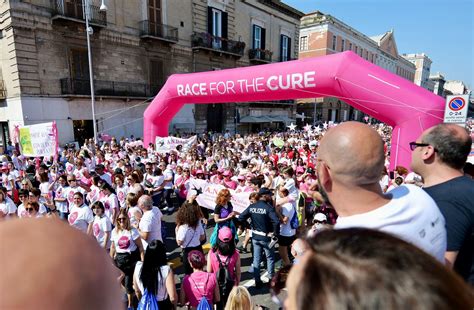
[(443, 29)]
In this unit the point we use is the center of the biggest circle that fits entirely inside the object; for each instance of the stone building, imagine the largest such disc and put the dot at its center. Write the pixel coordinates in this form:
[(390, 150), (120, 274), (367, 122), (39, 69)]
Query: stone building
[(135, 46), (423, 68), (322, 34)]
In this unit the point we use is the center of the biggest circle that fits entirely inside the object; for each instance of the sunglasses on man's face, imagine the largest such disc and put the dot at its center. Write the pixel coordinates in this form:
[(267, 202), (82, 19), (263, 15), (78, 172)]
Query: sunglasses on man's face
[(29, 209)]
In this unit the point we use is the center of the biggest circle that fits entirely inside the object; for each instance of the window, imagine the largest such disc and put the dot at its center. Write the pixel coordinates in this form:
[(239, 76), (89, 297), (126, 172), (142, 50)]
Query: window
[(154, 16), (334, 43), (366, 55), (285, 48), (217, 27), (373, 58), (257, 37), (304, 43), (350, 46), (79, 64), (343, 45)]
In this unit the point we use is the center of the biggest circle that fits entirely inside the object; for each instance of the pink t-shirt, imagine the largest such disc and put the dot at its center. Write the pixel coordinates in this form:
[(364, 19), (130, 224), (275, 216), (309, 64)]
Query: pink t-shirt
[(197, 285), (229, 262)]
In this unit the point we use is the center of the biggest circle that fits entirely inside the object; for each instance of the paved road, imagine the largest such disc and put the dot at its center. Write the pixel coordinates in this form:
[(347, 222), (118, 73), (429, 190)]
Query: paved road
[(260, 296)]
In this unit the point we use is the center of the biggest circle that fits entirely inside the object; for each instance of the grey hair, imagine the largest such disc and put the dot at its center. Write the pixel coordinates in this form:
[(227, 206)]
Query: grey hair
[(146, 202)]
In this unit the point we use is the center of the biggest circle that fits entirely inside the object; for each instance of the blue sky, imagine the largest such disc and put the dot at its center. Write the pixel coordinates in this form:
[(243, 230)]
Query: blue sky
[(443, 29)]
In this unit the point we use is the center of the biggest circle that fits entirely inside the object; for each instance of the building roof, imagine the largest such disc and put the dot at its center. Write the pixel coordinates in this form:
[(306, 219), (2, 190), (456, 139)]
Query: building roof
[(283, 8), (379, 38)]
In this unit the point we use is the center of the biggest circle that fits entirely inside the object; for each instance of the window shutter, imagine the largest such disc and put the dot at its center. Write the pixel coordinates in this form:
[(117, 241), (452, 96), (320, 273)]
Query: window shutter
[(253, 36), (281, 47), (209, 19), (262, 44), (224, 25), (288, 49)]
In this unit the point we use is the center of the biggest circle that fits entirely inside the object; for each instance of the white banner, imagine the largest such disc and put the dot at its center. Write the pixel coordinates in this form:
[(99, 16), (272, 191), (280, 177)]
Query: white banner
[(208, 195), (38, 140), (167, 144)]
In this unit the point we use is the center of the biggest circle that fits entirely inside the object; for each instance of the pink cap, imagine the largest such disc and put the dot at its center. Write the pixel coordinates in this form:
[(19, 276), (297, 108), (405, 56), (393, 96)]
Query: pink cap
[(220, 170), (199, 171), (240, 177), (225, 234), (227, 173), (299, 169)]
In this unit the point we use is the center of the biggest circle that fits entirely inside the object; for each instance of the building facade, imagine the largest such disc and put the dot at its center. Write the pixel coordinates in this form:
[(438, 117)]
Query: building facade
[(135, 46), (438, 81), (423, 68), (322, 34)]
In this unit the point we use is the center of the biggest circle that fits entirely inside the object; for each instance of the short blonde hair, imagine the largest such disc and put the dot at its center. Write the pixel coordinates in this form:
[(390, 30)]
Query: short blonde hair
[(239, 299)]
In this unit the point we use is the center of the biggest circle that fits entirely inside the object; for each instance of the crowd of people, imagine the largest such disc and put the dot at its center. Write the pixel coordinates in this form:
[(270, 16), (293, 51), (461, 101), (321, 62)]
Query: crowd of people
[(322, 200)]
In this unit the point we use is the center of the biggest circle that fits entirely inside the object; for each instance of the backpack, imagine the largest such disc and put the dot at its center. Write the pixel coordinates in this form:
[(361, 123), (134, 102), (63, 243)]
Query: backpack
[(294, 223), (225, 281), (148, 302), (203, 302)]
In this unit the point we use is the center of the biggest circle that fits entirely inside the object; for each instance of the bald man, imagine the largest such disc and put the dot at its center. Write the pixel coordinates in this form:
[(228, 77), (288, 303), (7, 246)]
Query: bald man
[(350, 161), (49, 265), (439, 156)]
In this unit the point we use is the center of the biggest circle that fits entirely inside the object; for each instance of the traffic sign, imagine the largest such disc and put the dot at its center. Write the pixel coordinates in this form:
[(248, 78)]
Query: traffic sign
[(456, 109)]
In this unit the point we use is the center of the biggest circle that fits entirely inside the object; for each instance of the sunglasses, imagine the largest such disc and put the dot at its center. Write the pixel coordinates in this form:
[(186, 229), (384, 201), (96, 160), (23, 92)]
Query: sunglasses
[(71, 180), (29, 209), (121, 219), (414, 145), (278, 285)]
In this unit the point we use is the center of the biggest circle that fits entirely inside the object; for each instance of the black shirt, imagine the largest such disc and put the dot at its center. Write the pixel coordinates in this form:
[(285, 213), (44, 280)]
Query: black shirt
[(264, 219), (455, 199)]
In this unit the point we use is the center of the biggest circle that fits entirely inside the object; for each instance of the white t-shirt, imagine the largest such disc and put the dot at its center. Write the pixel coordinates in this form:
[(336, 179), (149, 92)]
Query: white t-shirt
[(162, 294), (61, 192), (4, 208), (151, 223), (110, 202), (12, 206), (291, 187), (189, 236), (287, 209), (94, 194), (107, 178), (122, 195), (131, 214), (100, 226), (124, 240), (71, 191), (21, 212), (7, 181), (168, 174), (80, 217), (411, 215)]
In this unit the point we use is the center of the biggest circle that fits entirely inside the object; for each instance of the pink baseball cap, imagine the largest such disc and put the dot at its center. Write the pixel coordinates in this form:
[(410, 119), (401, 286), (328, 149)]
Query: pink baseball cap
[(225, 234), (227, 173), (199, 171), (299, 169), (240, 177)]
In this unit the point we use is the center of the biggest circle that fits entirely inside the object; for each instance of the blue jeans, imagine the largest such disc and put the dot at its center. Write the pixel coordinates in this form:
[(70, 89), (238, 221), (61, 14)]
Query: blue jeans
[(258, 246)]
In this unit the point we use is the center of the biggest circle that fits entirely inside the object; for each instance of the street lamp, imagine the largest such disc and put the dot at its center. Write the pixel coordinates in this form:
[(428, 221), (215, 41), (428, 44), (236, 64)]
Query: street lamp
[(89, 31)]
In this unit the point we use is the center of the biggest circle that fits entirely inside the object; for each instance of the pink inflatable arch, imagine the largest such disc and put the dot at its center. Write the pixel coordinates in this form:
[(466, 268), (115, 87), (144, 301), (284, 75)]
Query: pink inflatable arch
[(389, 98)]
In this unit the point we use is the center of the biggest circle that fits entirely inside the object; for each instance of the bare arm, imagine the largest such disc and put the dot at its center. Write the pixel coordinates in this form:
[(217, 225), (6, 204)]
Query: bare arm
[(89, 228), (209, 267), (171, 288), (237, 272), (450, 257), (106, 239), (112, 250)]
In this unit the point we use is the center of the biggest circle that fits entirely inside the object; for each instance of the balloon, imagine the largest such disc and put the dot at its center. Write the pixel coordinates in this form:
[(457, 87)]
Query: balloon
[(381, 94), (278, 142)]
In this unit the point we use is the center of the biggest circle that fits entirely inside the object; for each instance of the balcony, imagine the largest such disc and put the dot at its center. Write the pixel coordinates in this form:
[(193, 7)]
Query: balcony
[(150, 30), (258, 55), (3, 90), (72, 10), (206, 41), (109, 88)]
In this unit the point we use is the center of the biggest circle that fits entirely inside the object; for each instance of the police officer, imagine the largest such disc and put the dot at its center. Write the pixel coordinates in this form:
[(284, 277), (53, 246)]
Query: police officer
[(265, 227)]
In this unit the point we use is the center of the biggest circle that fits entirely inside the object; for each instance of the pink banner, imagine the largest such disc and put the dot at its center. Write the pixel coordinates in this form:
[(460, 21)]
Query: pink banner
[(381, 94)]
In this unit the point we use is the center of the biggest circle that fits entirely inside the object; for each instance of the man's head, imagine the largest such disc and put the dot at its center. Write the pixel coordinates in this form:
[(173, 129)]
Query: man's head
[(351, 155), (87, 278), (145, 203), (444, 145)]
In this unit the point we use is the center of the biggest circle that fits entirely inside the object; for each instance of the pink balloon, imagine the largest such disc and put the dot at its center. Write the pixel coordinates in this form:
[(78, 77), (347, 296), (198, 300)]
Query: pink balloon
[(385, 96)]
